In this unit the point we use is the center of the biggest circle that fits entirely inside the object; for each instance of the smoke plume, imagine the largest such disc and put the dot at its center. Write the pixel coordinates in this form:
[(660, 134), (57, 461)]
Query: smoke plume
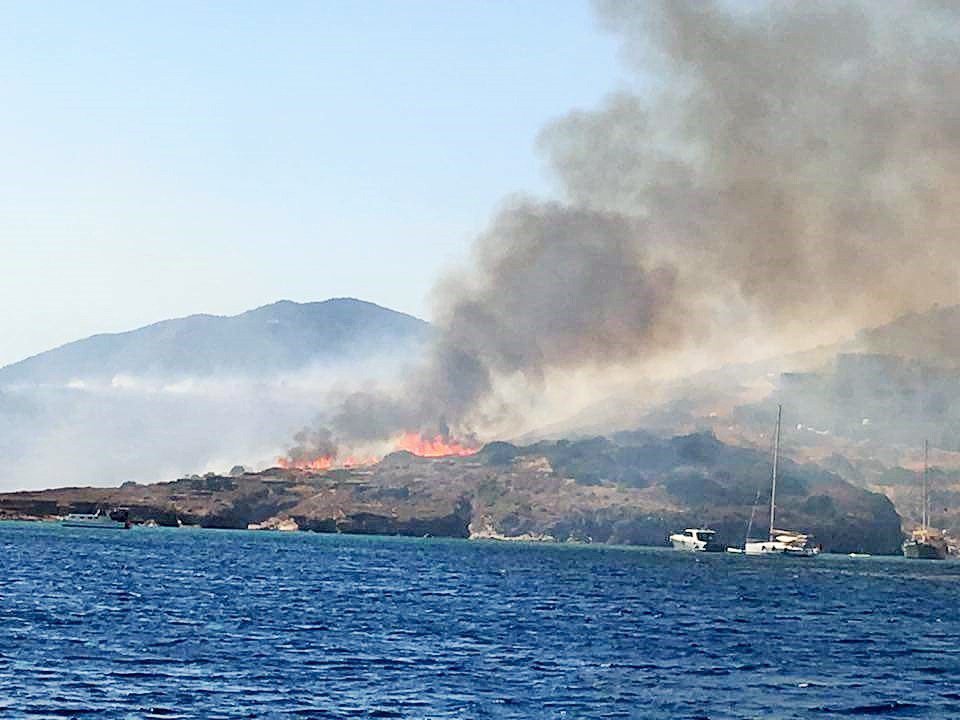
[(311, 445), (774, 170)]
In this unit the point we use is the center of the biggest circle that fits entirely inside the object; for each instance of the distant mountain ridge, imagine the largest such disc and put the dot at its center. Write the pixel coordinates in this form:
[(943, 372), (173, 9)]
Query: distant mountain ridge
[(280, 337)]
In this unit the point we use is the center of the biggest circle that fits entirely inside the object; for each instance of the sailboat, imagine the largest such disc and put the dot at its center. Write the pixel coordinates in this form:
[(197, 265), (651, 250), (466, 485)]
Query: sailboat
[(925, 543), (779, 542)]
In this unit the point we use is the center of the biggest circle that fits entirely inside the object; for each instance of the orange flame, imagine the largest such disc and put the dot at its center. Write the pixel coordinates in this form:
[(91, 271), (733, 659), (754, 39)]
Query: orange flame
[(436, 446), (352, 461), (324, 462), (412, 442)]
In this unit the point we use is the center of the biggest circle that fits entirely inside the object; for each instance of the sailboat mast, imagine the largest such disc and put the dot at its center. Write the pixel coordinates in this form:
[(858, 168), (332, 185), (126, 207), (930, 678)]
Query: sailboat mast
[(776, 461), (925, 492)]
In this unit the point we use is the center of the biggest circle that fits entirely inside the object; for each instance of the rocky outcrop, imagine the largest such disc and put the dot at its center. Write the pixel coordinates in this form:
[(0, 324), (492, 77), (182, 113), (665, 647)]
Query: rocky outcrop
[(281, 523)]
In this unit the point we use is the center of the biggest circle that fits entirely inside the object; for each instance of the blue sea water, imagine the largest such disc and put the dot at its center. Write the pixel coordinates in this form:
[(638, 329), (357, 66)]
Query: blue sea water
[(155, 623)]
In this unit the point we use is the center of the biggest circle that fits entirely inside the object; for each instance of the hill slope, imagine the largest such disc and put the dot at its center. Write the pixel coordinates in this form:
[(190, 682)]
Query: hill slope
[(932, 336)]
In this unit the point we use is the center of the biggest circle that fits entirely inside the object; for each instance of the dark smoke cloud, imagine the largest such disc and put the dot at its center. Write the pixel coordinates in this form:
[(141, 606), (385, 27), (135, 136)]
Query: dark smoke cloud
[(797, 160), (551, 287), (312, 444), (803, 156)]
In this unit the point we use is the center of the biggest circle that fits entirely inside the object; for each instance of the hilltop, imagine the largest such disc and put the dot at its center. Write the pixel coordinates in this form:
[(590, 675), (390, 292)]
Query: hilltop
[(278, 338)]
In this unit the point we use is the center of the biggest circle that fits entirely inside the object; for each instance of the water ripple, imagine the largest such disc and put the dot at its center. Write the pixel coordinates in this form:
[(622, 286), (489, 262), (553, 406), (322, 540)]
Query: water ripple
[(167, 625)]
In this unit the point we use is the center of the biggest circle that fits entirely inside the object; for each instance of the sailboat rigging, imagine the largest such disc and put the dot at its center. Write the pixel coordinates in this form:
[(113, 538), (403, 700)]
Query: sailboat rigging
[(925, 543), (778, 542)]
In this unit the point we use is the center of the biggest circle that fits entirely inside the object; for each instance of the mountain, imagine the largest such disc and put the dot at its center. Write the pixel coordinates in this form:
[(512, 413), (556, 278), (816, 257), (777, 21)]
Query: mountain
[(270, 340), (192, 394), (630, 489)]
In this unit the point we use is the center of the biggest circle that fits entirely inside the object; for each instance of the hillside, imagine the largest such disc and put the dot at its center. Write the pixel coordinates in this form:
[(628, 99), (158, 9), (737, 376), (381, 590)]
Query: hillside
[(278, 338), (861, 407), (631, 489), (923, 344)]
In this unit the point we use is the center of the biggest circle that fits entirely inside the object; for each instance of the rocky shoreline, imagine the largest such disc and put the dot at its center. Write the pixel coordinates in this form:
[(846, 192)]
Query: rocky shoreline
[(595, 491)]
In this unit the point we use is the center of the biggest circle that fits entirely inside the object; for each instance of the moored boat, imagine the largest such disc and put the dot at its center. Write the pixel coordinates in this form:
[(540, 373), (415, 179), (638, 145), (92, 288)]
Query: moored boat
[(925, 543), (117, 519), (788, 543), (782, 542), (696, 540)]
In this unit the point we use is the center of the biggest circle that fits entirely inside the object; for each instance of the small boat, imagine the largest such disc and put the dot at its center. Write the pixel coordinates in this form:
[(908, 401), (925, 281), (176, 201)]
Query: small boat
[(925, 543), (117, 519), (779, 542), (696, 540)]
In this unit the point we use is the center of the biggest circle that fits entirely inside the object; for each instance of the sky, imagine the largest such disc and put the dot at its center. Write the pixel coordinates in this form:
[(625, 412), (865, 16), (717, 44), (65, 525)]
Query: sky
[(164, 159)]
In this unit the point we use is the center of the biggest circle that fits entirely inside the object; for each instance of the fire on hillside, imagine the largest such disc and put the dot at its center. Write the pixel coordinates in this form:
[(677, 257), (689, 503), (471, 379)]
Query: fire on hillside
[(413, 442)]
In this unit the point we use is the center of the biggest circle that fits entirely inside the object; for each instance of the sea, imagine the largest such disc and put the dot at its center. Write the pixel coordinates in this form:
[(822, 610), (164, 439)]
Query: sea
[(188, 623)]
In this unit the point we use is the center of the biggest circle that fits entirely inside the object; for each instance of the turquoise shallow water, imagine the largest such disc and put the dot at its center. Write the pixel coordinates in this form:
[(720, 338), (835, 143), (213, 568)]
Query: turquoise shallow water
[(218, 624)]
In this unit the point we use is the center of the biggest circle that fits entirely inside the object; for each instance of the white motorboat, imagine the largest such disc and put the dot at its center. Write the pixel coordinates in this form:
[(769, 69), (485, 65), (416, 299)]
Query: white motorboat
[(696, 540), (118, 519)]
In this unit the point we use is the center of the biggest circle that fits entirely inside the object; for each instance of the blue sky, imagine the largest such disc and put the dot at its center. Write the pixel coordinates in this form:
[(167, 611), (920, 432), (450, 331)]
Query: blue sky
[(162, 159)]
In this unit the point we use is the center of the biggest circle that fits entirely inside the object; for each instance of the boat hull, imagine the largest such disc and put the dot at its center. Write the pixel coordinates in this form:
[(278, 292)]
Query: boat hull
[(699, 547), (773, 547), (696, 540), (924, 551)]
